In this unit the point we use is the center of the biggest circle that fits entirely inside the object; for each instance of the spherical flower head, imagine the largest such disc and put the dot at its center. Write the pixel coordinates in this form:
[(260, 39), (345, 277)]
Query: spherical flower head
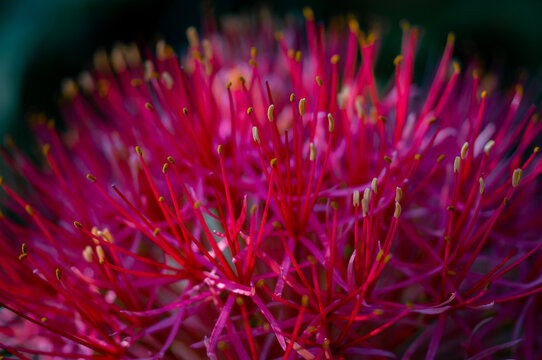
[(261, 197)]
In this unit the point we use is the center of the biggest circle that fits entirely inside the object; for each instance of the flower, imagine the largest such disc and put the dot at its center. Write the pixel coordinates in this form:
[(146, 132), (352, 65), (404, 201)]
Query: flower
[(255, 201)]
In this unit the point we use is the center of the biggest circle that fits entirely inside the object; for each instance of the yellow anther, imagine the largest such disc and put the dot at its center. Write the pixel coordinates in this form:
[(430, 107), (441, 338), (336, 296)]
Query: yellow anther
[(139, 151), (355, 198), (335, 59), (270, 112), (457, 164), (398, 194), (228, 85), (292, 97), (319, 80), (156, 232), (516, 177), (273, 162), (304, 301), (239, 300), (457, 67), (253, 52), (440, 158), (197, 204), (91, 177), (397, 212), (165, 167), (482, 185), (77, 224), (488, 146), (397, 60), (255, 135), (308, 13), (171, 159), (101, 254), (374, 185), (219, 149), (331, 122), (46, 149), (302, 106), (87, 254), (29, 210), (58, 274), (312, 154), (464, 149), (250, 110)]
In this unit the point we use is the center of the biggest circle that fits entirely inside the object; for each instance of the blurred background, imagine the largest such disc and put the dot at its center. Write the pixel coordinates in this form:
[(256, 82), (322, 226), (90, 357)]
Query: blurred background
[(45, 41)]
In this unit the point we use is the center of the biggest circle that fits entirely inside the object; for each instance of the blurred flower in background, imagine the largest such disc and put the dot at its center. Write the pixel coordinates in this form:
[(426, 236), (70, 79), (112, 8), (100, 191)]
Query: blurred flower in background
[(42, 42)]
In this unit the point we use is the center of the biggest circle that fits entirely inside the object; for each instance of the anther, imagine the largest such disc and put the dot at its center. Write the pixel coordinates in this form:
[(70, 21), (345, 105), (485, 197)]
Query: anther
[(219, 149), (398, 194), (149, 106), (440, 158), (270, 112), (464, 149), (374, 185), (319, 80), (312, 154), (273, 162), (58, 274), (165, 167), (250, 110), (77, 224), (457, 164), (331, 122), (482, 185), (139, 151), (101, 254), (488, 146), (255, 135), (516, 177), (355, 198), (304, 301), (302, 106), (91, 177), (46, 149), (398, 209), (87, 254), (335, 59)]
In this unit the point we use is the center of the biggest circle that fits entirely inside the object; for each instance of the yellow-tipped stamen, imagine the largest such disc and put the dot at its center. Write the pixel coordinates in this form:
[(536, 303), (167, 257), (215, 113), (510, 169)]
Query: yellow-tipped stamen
[(302, 106), (482, 185), (255, 135), (87, 253), (58, 274), (398, 194), (101, 254), (464, 149), (374, 185), (488, 146), (457, 164), (516, 177), (312, 154), (270, 111), (355, 198), (219, 149), (398, 209), (331, 122)]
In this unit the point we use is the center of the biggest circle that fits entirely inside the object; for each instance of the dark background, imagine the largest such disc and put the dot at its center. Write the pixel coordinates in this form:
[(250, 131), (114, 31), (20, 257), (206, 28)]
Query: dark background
[(44, 41)]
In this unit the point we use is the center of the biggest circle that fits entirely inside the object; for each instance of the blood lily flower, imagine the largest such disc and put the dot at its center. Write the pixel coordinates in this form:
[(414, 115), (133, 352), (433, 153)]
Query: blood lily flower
[(261, 197)]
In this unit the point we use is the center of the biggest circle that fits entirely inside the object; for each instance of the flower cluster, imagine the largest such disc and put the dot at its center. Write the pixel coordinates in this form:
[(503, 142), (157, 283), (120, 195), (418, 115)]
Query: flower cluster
[(261, 197)]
